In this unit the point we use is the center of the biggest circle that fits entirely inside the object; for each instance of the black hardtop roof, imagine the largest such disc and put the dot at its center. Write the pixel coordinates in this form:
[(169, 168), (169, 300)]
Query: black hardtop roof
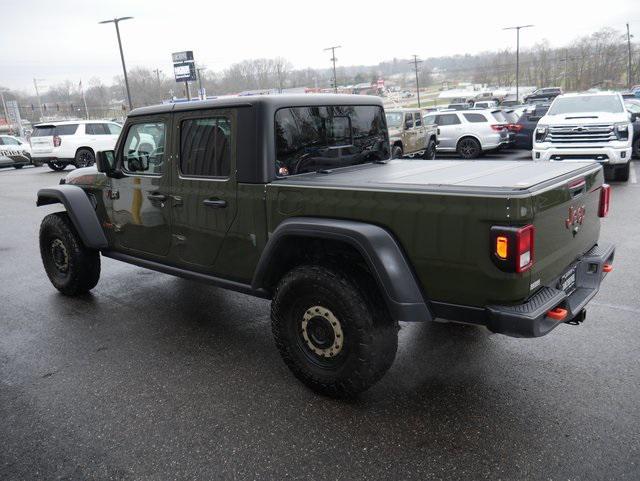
[(273, 101)]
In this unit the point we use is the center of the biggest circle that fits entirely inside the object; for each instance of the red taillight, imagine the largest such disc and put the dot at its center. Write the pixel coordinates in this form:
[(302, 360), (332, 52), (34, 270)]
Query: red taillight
[(515, 127), (498, 127), (57, 141), (605, 200), (512, 248)]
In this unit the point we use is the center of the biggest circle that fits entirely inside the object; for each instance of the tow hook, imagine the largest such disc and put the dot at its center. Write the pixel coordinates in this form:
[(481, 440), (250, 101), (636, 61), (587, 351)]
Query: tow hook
[(579, 319)]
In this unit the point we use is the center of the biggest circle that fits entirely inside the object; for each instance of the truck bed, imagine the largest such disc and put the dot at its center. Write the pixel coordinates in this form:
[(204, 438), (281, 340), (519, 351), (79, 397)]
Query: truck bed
[(484, 177)]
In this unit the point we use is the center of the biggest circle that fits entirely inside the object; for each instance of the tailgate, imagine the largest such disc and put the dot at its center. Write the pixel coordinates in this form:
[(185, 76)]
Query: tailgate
[(567, 224), (41, 145)]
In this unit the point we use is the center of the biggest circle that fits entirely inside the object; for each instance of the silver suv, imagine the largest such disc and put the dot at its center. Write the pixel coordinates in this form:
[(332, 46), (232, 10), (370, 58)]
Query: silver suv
[(470, 132)]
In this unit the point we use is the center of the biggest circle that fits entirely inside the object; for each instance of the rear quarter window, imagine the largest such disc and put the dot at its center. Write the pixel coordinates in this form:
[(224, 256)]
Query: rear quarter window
[(475, 118)]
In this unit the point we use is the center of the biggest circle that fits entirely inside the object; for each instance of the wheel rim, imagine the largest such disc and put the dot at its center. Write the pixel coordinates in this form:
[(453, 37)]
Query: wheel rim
[(321, 334), (84, 159), (59, 165), (467, 148), (60, 256)]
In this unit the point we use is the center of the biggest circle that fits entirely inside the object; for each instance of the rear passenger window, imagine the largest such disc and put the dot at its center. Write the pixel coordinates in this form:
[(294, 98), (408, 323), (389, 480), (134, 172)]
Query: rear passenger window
[(474, 118), (448, 119), (143, 150), (418, 118), (68, 129), (205, 147), (96, 129), (114, 129)]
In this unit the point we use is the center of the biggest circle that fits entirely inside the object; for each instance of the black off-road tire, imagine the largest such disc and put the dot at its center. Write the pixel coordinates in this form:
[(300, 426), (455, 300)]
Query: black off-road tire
[(84, 158), (369, 336), (430, 152), (469, 148), (56, 166), (19, 166), (72, 268), (621, 174), (396, 152)]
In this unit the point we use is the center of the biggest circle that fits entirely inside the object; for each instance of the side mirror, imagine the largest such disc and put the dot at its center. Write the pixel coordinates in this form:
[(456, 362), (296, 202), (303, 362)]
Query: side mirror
[(408, 124), (106, 162)]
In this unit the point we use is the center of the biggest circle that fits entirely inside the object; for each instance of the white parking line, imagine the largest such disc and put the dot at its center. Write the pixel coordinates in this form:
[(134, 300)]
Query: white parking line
[(634, 177)]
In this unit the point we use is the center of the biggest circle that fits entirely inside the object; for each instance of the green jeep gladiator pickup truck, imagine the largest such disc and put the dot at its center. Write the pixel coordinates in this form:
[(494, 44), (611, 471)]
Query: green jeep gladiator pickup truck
[(295, 199)]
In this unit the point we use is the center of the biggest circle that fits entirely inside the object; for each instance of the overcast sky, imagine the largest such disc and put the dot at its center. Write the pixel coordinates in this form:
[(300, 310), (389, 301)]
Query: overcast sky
[(56, 40)]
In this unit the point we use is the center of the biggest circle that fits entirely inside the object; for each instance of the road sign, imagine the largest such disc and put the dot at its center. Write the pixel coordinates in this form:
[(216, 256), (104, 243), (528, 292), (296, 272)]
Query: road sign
[(184, 67)]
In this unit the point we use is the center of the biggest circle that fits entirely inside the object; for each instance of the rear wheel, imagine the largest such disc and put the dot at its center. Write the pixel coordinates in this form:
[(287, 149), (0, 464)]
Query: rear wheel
[(469, 148), (18, 166), (430, 152), (56, 165), (621, 174), (84, 158), (334, 336), (396, 152), (71, 267)]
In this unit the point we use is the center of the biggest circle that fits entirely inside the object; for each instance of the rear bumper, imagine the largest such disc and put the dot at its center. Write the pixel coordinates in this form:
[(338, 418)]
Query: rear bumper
[(530, 318)]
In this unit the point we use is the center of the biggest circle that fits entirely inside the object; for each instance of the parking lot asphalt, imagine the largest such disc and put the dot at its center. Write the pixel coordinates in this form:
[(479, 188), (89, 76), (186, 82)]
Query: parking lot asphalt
[(155, 377)]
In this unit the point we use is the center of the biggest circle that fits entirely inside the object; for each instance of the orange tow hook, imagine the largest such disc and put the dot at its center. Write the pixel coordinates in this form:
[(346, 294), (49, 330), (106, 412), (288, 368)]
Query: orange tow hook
[(557, 313), (607, 268)]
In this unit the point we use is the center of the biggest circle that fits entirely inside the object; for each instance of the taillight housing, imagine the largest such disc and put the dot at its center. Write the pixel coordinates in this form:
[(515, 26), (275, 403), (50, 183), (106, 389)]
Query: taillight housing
[(515, 127), (498, 127), (605, 200), (512, 248), (57, 141)]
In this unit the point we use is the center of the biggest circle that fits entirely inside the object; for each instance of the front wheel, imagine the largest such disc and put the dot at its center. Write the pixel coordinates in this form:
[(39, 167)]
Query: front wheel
[(19, 166), (469, 148), (334, 336), (396, 152), (84, 158), (72, 268), (621, 174), (430, 152)]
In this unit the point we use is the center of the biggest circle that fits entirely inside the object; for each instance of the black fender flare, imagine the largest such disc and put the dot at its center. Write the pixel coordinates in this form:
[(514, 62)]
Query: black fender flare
[(380, 250), (80, 210)]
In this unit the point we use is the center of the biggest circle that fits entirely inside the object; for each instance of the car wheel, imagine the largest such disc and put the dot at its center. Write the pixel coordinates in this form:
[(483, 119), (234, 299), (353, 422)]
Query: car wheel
[(430, 152), (84, 158), (56, 165), (469, 148), (331, 332), (396, 152), (621, 174), (20, 166), (72, 268)]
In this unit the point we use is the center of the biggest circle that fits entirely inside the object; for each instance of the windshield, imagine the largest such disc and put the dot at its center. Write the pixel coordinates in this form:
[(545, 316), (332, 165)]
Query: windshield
[(394, 119), (309, 139), (585, 104)]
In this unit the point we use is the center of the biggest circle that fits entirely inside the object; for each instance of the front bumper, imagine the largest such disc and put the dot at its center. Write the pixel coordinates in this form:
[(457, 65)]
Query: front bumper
[(605, 154), (530, 319)]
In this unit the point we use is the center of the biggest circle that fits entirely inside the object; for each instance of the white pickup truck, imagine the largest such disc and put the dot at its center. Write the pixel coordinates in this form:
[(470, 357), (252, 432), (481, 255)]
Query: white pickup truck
[(593, 126)]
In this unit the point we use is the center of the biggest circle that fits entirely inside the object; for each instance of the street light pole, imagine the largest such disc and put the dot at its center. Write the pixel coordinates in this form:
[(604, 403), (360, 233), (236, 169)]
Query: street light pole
[(35, 84), (115, 21), (517, 29), (629, 62), (200, 70), (415, 66), (333, 59)]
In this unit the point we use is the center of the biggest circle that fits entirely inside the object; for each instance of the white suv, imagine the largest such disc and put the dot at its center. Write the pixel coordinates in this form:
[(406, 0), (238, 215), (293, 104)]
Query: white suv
[(59, 144), (469, 132), (581, 127)]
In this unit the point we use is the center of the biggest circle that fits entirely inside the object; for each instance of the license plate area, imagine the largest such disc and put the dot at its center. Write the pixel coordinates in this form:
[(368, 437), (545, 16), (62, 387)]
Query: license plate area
[(567, 281)]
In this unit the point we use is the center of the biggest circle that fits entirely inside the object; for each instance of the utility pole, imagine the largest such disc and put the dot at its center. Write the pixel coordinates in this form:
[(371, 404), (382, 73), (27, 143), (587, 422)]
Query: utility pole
[(629, 62), (517, 29), (333, 59), (200, 70), (115, 21), (157, 72), (35, 84), (415, 66), (4, 106)]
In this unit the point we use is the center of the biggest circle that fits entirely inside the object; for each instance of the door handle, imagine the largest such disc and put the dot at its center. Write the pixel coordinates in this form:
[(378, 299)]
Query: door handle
[(215, 203), (158, 197)]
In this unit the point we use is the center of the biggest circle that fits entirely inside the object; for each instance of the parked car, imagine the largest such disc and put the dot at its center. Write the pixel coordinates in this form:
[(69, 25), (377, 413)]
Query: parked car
[(524, 128), (409, 135), (14, 152), (469, 132), (545, 94), (485, 104), (633, 107), (580, 127), (463, 106), (59, 144), (242, 194)]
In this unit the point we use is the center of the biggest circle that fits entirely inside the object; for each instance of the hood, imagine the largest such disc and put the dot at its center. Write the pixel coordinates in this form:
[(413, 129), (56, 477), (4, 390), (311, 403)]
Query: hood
[(584, 118), (394, 132), (85, 176)]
